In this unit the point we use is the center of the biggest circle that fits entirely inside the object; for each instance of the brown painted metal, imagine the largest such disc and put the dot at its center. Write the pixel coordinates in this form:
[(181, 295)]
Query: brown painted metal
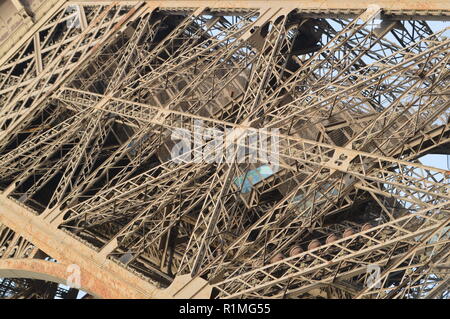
[(90, 97)]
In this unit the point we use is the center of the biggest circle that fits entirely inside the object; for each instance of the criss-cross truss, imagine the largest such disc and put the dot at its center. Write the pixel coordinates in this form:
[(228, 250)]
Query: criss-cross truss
[(89, 105)]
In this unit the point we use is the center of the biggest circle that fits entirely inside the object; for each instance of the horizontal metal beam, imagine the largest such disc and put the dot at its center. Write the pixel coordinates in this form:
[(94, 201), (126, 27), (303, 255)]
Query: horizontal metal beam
[(432, 8)]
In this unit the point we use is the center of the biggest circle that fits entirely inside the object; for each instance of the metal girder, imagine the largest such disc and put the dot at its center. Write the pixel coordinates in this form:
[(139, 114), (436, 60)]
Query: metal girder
[(89, 119), (408, 7)]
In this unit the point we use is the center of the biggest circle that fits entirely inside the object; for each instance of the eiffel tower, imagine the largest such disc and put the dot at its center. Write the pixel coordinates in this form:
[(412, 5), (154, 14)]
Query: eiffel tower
[(94, 202)]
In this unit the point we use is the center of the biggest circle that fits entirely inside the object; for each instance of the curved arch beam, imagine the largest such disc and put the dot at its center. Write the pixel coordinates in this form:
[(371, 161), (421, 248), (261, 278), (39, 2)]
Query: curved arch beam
[(182, 287), (51, 271)]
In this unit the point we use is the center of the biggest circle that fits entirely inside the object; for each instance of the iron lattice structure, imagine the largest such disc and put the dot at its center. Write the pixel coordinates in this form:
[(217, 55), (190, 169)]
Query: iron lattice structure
[(88, 105)]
